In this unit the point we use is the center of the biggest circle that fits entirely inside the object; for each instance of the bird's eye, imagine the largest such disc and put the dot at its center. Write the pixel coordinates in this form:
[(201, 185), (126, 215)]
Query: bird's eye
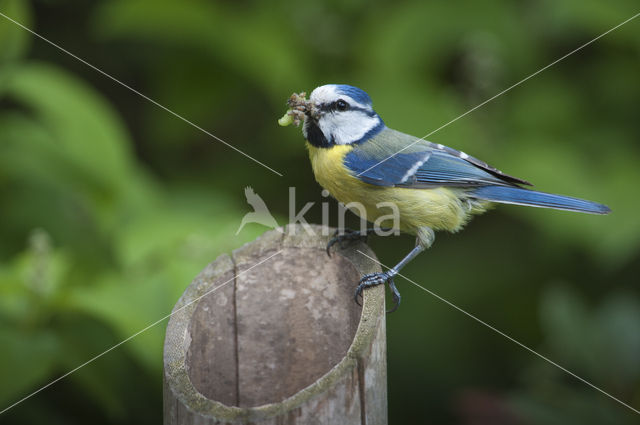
[(341, 105)]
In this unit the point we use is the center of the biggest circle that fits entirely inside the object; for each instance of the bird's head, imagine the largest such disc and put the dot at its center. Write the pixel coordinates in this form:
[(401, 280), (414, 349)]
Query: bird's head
[(338, 114)]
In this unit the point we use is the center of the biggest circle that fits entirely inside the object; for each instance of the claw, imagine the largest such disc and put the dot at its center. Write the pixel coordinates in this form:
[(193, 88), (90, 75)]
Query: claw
[(332, 241), (348, 235), (396, 296), (358, 294), (374, 279)]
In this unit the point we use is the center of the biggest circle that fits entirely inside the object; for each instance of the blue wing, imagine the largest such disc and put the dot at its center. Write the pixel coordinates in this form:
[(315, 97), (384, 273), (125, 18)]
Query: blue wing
[(429, 165), (422, 169), (443, 169), (394, 171)]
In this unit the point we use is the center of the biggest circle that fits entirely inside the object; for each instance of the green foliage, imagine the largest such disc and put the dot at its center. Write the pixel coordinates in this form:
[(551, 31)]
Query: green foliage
[(14, 41), (601, 344), (110, 205)]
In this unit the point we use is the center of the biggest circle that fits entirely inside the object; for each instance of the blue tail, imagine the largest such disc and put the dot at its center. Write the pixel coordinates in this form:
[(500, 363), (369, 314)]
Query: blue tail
[(519, 196)]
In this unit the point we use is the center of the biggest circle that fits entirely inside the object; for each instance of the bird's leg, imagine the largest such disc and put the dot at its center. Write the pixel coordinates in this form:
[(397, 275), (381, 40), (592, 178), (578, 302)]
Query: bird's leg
[(424, 240), (349, 235), (374, 279)]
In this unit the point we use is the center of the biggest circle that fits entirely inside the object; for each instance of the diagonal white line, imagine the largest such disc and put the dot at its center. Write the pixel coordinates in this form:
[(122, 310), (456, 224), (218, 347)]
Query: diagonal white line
[(504, 91), (175, 114), (91, 360), (508, 337)]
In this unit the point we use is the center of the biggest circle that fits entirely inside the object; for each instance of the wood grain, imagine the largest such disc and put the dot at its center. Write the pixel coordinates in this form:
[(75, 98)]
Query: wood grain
[(281, 342)]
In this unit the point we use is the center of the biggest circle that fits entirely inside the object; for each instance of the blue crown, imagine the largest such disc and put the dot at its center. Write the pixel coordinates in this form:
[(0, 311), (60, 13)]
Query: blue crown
[(354, 93)]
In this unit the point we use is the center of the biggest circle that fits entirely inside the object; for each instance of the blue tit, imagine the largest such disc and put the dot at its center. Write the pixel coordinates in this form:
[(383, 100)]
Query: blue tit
[(357, 158)]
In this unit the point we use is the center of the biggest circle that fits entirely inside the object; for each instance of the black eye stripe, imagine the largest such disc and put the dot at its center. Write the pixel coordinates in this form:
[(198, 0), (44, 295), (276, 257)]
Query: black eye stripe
[(338, 105), (331, 107)]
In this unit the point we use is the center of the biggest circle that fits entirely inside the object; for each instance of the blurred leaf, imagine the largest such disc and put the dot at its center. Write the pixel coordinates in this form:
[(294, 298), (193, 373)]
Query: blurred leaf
[(129, 307), (270, 59), (161, 250), (81, 339), (600, 345), (27, 358), (14, 41), (617, 341), (566, 324), (86, 129)]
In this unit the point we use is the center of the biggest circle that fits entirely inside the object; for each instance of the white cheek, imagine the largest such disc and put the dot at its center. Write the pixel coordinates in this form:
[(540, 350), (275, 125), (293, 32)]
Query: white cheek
[(347, 127)]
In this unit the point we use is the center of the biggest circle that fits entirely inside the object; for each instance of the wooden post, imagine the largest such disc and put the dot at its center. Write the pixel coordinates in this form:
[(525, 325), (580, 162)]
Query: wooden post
[(279, 343)]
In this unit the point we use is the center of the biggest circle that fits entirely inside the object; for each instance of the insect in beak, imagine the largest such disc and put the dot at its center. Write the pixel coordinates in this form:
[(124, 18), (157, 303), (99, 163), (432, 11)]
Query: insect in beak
[(299, 107)]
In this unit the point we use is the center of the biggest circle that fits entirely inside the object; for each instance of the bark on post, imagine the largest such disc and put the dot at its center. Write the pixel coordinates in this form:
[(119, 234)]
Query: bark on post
[(281, 342)]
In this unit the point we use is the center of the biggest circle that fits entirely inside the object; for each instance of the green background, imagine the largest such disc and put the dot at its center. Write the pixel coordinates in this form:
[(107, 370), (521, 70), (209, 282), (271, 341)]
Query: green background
[(109, 205)]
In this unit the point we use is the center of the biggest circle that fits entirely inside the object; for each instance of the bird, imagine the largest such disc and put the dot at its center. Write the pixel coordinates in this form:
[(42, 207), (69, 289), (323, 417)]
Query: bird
[(260, 213), (358, 159)]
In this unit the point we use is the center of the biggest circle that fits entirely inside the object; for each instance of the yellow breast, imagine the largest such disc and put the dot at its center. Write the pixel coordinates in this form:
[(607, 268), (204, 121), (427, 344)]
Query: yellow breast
[(438, 208)]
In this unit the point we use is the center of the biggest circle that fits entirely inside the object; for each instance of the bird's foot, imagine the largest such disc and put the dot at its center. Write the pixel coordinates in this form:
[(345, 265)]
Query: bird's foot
[(375, 279), (348, 235)]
